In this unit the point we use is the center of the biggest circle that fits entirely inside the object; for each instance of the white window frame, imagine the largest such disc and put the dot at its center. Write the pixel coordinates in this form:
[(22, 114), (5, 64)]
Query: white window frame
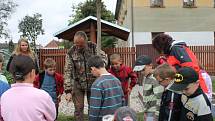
[(189, 3), (156, 3)]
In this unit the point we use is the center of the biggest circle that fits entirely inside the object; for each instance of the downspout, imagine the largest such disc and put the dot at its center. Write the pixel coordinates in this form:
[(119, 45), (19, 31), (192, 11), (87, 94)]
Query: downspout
[(132, 22)]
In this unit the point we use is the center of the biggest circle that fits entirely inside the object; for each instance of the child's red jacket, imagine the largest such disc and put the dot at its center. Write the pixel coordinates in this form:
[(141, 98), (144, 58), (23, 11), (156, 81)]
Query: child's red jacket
[(58, 78), (124, 74)]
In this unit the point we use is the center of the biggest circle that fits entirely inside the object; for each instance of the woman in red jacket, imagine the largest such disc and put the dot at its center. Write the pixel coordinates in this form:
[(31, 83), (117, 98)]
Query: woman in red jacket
[(177, 54)]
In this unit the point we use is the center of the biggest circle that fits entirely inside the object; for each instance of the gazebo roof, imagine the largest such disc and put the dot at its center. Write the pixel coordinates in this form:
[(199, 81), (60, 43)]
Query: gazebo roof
[(85, 24)]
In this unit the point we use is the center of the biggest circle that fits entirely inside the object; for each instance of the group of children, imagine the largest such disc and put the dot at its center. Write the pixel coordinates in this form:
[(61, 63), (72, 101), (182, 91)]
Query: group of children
[(168, 95), (21, 68)]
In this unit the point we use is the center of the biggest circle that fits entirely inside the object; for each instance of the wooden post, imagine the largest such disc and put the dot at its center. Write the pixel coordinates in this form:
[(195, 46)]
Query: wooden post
[(98, 5), (92, 33)]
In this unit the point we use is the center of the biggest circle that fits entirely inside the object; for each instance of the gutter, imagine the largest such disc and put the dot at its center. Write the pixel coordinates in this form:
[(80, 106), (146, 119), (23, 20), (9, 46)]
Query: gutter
[(118, 6)]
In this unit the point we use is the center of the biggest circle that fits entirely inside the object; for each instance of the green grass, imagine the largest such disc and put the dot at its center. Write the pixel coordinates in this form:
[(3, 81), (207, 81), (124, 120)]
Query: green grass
[(213, 85), (63, 117)]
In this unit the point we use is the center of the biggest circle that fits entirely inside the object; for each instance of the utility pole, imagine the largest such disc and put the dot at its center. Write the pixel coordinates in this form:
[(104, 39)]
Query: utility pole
[(98, 6)]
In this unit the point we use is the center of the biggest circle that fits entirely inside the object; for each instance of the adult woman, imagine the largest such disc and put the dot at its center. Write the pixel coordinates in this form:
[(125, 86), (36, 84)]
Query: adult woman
[(23, 48), (177, 54)]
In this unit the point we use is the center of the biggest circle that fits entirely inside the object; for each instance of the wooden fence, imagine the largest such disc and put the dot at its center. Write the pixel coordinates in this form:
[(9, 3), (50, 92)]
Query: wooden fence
[(205, 54), (57, 54), (128, 54)]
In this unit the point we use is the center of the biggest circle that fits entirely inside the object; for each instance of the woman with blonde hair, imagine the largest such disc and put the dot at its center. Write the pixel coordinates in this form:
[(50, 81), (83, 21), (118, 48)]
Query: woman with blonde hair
[(23, 48)]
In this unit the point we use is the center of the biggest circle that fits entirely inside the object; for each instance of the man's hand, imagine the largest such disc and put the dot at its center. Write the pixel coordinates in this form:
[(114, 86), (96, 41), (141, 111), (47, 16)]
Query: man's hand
[(68, 97)]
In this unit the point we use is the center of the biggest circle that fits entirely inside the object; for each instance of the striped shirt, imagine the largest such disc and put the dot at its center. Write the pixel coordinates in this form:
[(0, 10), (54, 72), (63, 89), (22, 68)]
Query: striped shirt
[(152, 93), (106, 97)]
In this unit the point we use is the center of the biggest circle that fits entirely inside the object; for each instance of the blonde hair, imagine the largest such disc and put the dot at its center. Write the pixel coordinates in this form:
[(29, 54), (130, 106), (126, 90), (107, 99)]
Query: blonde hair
[(165, 71), (114, 56), (49, 63), (18, 51)]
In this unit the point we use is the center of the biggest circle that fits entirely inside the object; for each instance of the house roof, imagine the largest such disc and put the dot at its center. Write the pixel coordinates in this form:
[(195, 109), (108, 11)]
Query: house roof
[(84, 25), (52, 44)]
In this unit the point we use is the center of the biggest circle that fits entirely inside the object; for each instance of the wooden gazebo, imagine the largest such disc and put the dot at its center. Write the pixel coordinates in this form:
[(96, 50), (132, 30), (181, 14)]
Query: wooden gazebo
[(89, 25)]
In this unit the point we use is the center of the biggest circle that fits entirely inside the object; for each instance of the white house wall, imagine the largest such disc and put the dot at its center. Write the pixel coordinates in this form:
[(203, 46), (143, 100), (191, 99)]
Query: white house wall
[(191, 38)]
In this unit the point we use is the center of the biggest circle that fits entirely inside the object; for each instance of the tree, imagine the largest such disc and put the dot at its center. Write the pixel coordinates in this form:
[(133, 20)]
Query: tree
[(66, 44), (108, 42), (31, 27), (7, 7), (11, 46), (83, 10)]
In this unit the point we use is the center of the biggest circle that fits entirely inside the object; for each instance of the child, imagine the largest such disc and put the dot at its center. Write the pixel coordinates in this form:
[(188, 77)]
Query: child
[(3, 87), (170, 107), (123, 73), (2, 77), (50, 81), (152, 91), (125, 114), (106, 91), (196, 106), (23, 102)]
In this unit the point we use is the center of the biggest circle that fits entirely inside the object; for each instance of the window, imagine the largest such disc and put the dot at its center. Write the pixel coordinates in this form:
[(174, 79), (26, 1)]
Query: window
[(189, 3), (156, 3)]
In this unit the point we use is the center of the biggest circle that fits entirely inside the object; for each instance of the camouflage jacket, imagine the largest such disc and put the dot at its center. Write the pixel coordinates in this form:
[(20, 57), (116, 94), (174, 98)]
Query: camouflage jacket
[(76, 71)]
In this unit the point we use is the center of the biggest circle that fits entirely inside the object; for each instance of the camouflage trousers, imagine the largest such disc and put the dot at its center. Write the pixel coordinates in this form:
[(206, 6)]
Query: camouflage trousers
[(78, 100)]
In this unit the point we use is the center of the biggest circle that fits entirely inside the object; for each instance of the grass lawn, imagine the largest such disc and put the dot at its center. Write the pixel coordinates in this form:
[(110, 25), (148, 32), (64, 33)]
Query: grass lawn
[(62, 117), (70, 118), (213, 83)]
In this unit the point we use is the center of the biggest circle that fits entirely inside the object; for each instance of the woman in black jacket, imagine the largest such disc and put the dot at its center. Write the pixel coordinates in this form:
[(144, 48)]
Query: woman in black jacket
[(23, 48)]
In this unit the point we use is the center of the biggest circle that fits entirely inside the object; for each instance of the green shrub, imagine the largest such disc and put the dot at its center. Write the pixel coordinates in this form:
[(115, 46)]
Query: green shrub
[(8, 76)]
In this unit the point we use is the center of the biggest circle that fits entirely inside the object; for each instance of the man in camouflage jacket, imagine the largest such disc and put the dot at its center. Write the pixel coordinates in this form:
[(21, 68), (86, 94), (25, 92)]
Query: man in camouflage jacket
[(77, 76)]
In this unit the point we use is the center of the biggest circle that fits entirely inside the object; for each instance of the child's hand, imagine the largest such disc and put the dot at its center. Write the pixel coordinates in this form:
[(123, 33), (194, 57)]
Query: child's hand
[(59, 98), (161, 60), (140, 96)]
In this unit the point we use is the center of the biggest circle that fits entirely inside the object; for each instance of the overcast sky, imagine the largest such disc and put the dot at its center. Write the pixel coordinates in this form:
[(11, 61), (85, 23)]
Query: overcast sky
[(55, 15)]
